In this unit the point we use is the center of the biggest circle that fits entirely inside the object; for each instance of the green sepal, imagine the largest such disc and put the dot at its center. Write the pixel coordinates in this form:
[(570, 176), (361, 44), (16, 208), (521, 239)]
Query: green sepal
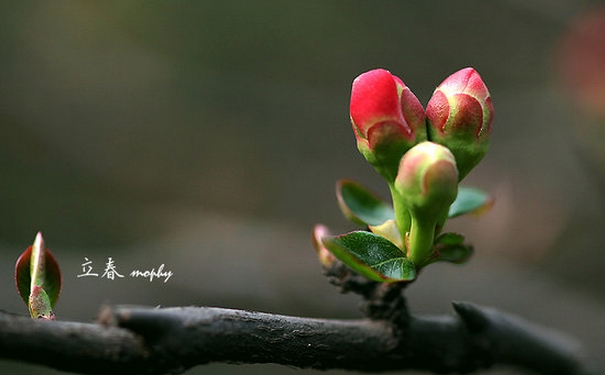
[(362, 206), (469, 200), (450, 247), (372, 256)]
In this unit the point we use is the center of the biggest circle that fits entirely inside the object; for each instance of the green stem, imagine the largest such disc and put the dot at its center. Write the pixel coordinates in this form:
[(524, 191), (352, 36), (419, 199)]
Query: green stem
[(402, 215), (420, 241), (441, 222)]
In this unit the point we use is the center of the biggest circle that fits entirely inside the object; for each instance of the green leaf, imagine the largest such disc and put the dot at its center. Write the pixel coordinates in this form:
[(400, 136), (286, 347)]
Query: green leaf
[(371, 256), (360, 205), (449, 238), (450, 247), (469, 200), (22, 274), (38, 267)]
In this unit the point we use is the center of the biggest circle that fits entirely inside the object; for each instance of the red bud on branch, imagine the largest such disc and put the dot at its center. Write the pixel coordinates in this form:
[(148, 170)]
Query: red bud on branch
[(387, 119), (460, 115)]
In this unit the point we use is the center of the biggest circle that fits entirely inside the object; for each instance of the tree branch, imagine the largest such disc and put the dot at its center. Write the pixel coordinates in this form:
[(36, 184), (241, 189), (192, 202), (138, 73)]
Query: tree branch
[(70, 346), (172, 340)]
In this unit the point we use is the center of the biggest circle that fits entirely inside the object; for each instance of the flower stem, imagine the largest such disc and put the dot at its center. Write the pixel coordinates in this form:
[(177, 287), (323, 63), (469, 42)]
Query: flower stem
[(402, 215), (420, 241)]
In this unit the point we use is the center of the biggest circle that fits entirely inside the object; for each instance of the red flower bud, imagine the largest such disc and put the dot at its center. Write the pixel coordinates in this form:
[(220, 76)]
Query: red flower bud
[(460, 115), (387, 119)]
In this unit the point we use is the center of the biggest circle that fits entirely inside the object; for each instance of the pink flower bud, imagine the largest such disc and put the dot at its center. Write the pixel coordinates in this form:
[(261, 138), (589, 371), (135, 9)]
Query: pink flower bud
[(428, 180), (460, 115), (428, 184), (387, 119)]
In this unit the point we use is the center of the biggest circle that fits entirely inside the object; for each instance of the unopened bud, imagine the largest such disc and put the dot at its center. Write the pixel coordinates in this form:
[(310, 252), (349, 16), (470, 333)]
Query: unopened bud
[(428, 184), (428, 179), (387, 119), (460, 115)]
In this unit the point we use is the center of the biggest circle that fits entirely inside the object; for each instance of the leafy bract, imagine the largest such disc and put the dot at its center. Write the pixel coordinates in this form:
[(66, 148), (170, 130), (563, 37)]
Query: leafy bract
[(469, 200), (360, 205), (371, 256), (450, 247)]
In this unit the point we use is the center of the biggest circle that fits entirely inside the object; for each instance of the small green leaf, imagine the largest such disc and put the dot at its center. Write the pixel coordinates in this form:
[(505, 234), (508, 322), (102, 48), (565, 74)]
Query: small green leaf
[(360, 205), (449, 238), (371, 256), (37, 271), (22, 274), (450, 247), (469, 200)]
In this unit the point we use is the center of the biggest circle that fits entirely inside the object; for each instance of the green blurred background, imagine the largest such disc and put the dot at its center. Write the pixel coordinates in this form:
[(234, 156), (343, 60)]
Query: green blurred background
[(207, 136)]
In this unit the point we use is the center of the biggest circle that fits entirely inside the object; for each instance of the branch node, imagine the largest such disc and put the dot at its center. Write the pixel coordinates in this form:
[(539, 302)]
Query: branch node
[(381, 301)]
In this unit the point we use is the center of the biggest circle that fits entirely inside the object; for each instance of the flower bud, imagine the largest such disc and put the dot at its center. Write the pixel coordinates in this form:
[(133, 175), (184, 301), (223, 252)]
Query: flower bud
[(428, 184), (428, 180), (459, 115), (387, 119)]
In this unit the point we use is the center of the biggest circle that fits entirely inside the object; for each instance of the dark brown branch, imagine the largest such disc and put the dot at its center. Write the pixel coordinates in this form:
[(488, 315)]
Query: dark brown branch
[(69, 346), (156, 341)]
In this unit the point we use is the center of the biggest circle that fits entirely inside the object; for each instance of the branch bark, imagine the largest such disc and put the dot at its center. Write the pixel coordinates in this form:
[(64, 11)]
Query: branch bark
[(171, 340)]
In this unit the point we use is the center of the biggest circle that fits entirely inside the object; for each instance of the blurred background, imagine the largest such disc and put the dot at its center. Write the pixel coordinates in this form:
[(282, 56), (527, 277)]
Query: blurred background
[(208, 136)]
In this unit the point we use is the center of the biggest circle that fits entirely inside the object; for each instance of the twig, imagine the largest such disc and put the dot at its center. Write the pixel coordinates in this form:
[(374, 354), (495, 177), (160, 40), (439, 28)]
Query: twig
[(171, 340)]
